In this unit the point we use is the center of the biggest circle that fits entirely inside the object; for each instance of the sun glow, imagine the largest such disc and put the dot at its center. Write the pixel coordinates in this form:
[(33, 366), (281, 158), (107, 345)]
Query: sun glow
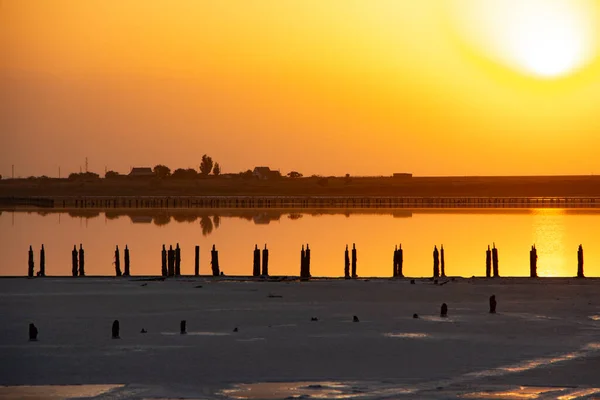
[(542, 38)]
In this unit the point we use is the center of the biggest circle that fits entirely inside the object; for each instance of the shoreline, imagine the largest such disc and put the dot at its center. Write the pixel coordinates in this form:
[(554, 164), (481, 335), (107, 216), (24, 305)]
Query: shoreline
[(288, 279)]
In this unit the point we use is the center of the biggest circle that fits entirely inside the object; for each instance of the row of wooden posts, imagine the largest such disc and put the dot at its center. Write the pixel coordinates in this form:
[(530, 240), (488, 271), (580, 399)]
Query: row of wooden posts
[(171, 262), (115, 330)]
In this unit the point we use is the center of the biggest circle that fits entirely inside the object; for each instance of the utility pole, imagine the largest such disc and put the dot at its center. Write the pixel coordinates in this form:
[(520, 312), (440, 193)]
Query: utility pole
[(59, 172), (13, 171), (86, 165)]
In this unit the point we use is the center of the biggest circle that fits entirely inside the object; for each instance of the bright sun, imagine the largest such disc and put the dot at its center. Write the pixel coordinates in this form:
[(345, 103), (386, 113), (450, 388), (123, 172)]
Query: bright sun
[(543, 38)]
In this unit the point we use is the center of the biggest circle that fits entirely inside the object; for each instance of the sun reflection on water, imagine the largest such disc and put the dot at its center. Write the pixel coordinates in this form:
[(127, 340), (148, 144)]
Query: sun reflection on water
[(549, 236)]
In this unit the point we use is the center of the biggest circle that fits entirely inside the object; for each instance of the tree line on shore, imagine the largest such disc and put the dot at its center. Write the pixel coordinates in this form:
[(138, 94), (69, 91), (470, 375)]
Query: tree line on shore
[(207, 168)]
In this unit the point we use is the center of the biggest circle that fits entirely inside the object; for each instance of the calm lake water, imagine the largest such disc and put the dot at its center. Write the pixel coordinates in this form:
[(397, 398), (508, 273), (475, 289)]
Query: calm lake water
[(464, 233)]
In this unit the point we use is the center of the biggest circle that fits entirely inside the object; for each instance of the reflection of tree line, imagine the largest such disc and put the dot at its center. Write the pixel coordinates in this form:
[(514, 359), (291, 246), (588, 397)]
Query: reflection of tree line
[(210, 220)]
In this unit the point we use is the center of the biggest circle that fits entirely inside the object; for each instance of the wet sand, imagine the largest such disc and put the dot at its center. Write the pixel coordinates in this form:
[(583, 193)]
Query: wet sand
[(545, 338)]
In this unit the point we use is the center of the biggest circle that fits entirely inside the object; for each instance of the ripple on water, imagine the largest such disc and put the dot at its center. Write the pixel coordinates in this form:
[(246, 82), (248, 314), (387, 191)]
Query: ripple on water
[(54, 392), (525, 392), (196, 334), (408, 335), (293, 390)]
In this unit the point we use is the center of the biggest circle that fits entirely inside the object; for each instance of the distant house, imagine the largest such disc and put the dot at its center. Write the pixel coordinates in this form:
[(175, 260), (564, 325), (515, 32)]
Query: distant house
[(265, 173), (402, 175), (141, 172)]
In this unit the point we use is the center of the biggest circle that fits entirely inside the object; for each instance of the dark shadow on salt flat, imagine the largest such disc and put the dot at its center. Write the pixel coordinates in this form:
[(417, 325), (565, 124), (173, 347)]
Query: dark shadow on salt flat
[(207, 333)]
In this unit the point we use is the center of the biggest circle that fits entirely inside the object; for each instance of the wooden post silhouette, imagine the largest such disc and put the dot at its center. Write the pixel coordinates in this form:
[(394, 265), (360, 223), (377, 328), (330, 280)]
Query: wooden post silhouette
[(74, 265), (182, 327), (81, 260), (436, 262), (126, 260), (580, 262), (177, 260), (346, 263), (214, 255), (265, 261), (302, 263), (115, 329), (30, 263), (163, 262), (533, 262), (444, 311), (495, 261), (395, 271), (354, 275), (171, 261), (33, 333), (492, 304), (197, 262), (443, 262), (488, 262), (42, 262), (400, 261), (256, 262), (117, 262), (307, 261)]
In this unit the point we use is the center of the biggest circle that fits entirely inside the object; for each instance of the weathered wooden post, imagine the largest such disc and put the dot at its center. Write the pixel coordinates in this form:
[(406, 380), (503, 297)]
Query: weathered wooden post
[(443, 262), (126, 260), (488, 262), (33, 333), (436, 262), (117, 262), (395, 271), (354, 259), (163, 262), (171, 261), (533, 262), (42, 262), (30, 263), (444, 311), (495, 261), (177, 260), (197, 261), (265, 261), (492, 304), (580, 262), (307, 261), (115, 329), (347, 263), (81, 260), (74, 265), (302, 263), (400, 261), (256, 263), (215, 261)]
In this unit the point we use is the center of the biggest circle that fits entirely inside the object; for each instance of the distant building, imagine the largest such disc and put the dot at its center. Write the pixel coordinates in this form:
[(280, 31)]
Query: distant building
[(402, 175), (141, 172), (265, 173)]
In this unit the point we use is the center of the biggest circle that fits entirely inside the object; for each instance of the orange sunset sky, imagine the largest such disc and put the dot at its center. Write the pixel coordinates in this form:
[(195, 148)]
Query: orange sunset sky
[(366, 87)]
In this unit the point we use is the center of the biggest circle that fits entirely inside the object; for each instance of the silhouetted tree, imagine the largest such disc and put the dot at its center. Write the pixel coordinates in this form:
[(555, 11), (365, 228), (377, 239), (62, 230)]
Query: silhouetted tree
[(207, 225), (207, 165), (247, 174), (162, 171), (111, 175), (216, 169), (181, 173), (295, 174)]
